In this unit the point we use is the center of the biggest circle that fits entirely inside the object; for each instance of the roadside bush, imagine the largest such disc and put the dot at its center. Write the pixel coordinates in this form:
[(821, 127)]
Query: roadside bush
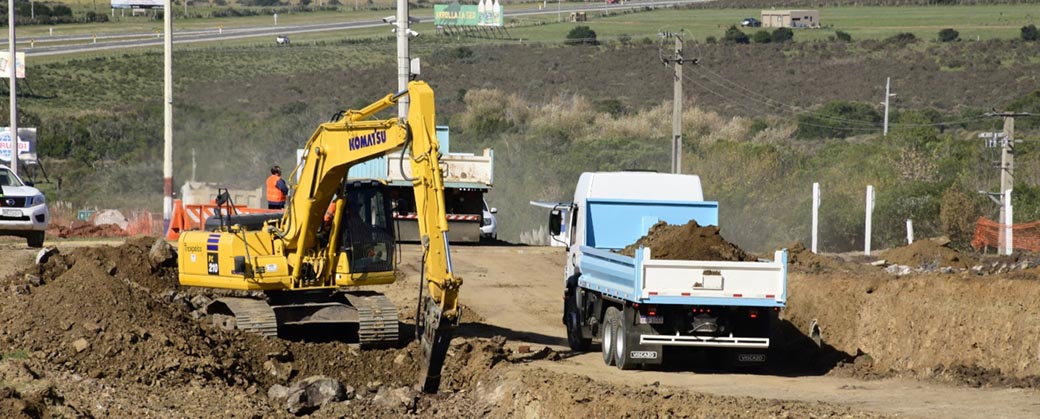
[(783, 35), (949, 35), (900, 39), (581, 35), (1029, 33), (734, 35), (838, 119), (843, 36), (710, 40), (958, 211), (762, 37)]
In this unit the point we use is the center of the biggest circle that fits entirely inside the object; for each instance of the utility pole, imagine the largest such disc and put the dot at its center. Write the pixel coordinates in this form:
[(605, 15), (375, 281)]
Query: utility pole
[(13, 65), (1007, 175), (677, 99), (888, 94), (403, 58), (168, 112)]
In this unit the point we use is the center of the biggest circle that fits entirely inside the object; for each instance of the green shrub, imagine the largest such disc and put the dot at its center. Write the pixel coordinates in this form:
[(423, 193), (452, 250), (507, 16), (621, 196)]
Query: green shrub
[(838, 119), (734, 35), (783, 35), (1029, 33), (843, 36), (762, 37), (711, 40), (949, 35), (901, 39), (581, 35), (958, 211)]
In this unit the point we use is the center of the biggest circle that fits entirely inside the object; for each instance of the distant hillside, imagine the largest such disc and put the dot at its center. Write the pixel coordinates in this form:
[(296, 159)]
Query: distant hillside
[(554, 111)]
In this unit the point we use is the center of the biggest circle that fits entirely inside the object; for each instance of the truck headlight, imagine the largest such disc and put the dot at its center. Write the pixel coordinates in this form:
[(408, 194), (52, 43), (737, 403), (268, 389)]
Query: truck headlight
[(35, 200)]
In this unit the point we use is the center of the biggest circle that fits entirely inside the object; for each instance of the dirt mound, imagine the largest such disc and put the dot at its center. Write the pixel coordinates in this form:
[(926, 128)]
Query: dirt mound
[(85, 229), (801, 258), (932, 253), (910, 324), (687, 242)]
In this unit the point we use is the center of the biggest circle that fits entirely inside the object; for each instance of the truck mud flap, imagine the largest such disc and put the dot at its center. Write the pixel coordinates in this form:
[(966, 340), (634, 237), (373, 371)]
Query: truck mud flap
[(640, 352)]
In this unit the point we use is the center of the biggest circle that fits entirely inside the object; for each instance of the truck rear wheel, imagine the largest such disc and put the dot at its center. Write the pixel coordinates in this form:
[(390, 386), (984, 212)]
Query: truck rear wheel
[(622, 357), (572, 320), (607, 332)]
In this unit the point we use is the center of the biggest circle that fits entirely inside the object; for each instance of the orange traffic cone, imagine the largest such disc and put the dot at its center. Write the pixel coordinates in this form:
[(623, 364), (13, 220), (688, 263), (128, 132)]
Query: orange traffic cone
[(176, 221)]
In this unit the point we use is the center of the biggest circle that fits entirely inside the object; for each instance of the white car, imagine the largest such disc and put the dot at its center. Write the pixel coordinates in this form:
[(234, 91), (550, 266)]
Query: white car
[(488, 224), (23, 209)]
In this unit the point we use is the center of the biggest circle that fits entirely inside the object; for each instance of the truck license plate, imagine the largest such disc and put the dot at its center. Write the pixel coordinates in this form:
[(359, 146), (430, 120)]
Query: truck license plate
[(651, 319), (643, 354), (751, 357), (12, 213)]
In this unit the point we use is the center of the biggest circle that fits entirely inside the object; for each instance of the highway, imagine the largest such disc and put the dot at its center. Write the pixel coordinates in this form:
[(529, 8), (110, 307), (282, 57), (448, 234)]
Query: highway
[(117, 41)]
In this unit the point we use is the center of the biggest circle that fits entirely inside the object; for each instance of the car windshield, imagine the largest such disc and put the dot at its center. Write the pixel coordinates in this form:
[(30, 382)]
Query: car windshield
[(8, 179)]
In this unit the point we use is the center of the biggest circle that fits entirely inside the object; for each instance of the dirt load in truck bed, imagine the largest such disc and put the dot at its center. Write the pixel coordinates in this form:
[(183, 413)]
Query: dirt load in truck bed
[(687, 242)]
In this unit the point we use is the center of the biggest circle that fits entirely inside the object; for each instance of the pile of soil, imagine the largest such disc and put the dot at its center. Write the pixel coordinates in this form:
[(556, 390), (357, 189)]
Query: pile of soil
[(933, 253), (687, 242), (982, 328), (111, 320), (801, 258), (85, 229)]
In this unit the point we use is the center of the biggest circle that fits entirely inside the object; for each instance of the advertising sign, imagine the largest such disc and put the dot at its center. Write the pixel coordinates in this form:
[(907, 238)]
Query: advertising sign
[(26, 144), (485, 13), (137, 4), (5, 64)]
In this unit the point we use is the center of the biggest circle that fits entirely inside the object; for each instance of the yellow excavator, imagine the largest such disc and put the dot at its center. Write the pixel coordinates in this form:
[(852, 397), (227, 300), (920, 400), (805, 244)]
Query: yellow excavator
[(308, 269)]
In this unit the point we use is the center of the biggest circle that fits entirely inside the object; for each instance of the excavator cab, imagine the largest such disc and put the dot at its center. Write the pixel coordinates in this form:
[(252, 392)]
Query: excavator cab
[(366, 231)]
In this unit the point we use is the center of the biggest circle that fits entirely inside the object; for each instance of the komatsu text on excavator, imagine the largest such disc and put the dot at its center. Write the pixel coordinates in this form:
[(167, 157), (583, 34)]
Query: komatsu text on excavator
[(304, 265)]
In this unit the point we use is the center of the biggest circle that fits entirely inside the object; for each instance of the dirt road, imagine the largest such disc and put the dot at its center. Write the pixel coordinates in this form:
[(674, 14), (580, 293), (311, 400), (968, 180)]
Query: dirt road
[(517, 291)]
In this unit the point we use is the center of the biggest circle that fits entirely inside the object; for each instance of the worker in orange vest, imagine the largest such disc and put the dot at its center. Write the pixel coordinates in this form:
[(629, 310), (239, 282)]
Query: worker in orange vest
[(276, 189)]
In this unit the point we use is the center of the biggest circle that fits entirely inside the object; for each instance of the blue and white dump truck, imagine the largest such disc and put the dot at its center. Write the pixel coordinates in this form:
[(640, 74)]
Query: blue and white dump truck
[(639, 306)]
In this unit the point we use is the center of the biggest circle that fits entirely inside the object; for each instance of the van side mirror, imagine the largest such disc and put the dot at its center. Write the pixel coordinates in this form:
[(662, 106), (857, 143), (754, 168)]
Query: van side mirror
[(554, 222), (29, 183), (494, 210)]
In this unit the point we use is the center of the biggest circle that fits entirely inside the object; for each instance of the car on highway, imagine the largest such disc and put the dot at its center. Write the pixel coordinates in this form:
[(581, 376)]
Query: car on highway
[(751, 22), (488, 223), (23, 209)]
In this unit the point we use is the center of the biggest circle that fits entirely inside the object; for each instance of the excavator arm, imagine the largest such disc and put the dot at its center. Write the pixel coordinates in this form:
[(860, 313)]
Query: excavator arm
[(331, 150)]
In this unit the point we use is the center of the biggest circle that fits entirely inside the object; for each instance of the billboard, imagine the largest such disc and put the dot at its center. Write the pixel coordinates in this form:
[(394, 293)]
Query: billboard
[(137, 4), (26, 144), (5, 64), (484, 13)]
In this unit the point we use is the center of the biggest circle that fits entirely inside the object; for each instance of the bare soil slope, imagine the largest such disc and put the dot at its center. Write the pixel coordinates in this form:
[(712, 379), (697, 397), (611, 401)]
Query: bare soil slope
[(106, 332)]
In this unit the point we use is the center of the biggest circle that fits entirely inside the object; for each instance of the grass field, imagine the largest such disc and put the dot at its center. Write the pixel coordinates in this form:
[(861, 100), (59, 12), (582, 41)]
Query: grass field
[(973, 22)]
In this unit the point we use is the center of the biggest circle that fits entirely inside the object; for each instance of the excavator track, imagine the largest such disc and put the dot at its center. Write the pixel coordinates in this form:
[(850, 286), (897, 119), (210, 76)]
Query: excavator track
[(374, 314), (377, 320), (254, 316)]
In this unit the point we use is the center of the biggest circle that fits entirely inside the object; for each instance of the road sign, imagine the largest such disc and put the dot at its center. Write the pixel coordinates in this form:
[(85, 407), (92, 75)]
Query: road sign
[(992, 135)]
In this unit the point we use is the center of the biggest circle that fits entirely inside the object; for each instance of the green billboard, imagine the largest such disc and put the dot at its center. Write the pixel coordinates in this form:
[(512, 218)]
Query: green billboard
[(485, 13)]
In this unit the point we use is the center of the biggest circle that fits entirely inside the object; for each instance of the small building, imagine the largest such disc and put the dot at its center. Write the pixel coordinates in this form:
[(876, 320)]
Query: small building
[(791, 18)]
